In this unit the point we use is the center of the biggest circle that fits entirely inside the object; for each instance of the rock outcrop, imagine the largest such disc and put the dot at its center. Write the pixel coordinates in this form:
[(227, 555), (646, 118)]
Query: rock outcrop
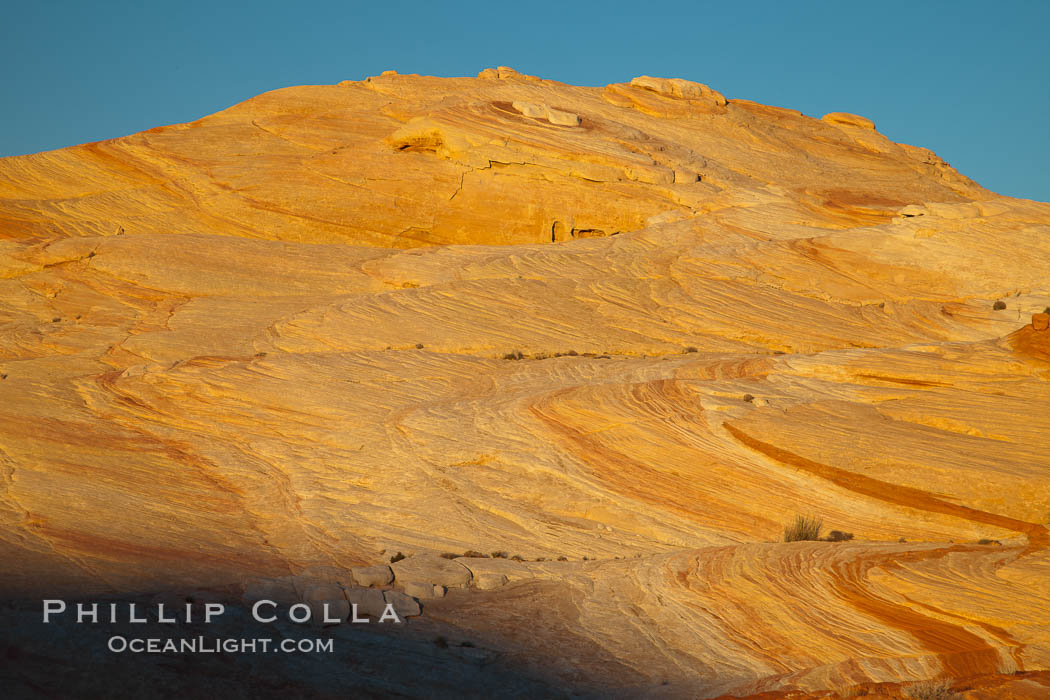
[(847, 119), (683, 89)]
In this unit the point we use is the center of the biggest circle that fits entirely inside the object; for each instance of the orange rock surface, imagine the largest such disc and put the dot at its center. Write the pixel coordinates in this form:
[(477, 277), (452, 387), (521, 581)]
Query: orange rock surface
[(643, 324)]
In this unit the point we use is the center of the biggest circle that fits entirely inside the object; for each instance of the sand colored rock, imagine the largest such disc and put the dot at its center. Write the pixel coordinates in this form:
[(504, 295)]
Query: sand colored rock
[(403, 604), (327, 603), (487, 582), (322, 575), (365, 602), (432, 570), (508, 568), (279, 590), (422, 591), (424, 315), (379, 575)]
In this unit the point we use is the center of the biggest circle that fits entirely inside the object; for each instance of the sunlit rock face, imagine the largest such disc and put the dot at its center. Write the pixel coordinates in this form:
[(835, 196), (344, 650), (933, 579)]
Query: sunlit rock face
[(639, 327)]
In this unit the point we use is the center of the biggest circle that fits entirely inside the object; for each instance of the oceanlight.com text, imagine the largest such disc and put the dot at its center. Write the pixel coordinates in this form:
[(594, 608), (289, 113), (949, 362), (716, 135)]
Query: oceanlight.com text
[(206, 645)]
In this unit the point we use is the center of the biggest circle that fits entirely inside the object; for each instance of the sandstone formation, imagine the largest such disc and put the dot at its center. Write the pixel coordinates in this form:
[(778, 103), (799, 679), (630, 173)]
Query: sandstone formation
[(637, 327)]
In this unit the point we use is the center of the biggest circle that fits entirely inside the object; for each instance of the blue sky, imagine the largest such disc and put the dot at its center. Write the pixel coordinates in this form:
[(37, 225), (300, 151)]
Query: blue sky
[(970, 80)]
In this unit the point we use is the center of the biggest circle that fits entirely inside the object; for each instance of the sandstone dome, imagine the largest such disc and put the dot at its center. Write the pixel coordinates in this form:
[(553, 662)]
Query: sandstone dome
[(625, 333)]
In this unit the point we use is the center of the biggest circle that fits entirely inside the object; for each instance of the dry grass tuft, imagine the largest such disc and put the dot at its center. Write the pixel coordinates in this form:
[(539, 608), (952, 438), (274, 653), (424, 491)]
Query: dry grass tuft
[(804, 528)]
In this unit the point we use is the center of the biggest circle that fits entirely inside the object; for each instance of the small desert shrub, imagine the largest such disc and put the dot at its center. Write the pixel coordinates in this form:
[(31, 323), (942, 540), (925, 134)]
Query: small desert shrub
[(419, 346), (563, 558), (516, 355), (804, 528), (690, 349), (499, 555), (572, 353), (749, 398), (448, 555), (475, 555), (518, 557), (839, 536), (931, 690), (999, 305), (986, 541), (1046, 310), (397, 557), (440, 642)]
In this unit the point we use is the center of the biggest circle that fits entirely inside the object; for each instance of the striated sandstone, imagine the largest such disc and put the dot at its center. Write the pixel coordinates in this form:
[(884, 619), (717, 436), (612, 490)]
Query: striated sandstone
[(422, 315)]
